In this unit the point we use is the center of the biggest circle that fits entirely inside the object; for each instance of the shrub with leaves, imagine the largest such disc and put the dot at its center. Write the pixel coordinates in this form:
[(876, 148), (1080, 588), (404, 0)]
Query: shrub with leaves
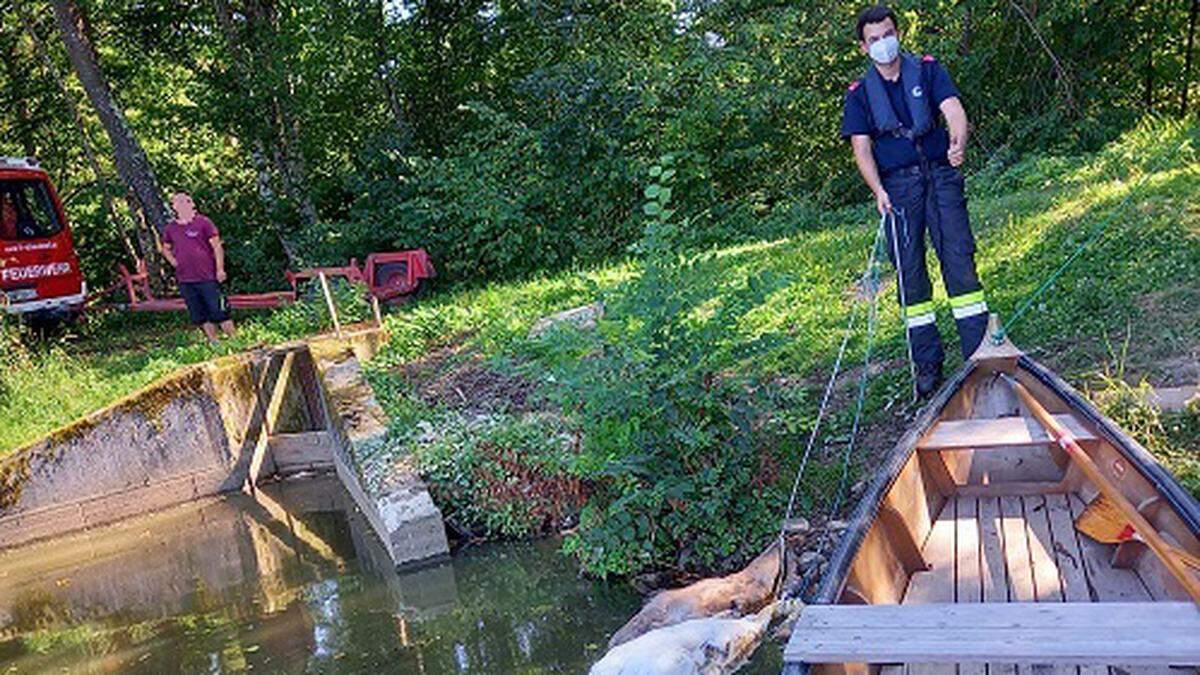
[(498, 476), (1171, 436), (677, 442)]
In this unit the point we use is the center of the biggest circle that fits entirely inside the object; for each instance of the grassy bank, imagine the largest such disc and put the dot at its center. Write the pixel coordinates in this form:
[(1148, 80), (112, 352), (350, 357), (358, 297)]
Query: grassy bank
[(1132, 287), (704, 375), (49, 381)]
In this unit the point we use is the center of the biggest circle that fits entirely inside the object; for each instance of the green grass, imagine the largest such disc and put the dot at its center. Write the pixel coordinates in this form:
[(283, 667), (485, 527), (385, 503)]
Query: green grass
[(48, 382), (1027, 217), (1136, 282)]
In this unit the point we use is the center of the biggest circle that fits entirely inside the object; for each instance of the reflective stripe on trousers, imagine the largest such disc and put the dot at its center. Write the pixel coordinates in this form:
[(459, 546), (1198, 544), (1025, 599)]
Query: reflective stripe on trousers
[(931, 199)]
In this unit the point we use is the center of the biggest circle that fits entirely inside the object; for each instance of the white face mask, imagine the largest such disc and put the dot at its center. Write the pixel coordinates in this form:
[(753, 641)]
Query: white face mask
[(885, 50)]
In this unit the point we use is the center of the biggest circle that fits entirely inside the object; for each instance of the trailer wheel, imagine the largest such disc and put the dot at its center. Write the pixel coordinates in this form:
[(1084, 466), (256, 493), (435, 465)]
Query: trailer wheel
[(391, 282)]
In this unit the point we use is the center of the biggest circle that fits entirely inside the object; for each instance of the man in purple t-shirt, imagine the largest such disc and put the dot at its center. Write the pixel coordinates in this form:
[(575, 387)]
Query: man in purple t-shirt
[(192, 244)]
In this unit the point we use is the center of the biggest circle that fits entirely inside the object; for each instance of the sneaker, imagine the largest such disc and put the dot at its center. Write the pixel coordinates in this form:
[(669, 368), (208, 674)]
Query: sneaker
[(929, 380)]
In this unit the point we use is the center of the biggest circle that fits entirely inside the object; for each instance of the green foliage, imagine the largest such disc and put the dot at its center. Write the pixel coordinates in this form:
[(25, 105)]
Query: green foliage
[(502, 204), (689, 385), (1171, 437), (677, 443), (504, 476), (507, 138), (689, 402)]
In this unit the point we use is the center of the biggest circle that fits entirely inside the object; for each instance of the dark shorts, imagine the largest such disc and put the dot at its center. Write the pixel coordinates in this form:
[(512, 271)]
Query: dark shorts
[(205, 302)]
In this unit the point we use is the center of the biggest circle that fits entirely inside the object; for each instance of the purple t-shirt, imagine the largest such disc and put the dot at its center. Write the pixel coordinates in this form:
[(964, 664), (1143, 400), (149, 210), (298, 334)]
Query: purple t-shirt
[(193, 252)]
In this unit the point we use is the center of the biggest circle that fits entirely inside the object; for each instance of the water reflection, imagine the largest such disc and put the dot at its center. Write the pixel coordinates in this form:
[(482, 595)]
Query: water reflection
[(291, 583)]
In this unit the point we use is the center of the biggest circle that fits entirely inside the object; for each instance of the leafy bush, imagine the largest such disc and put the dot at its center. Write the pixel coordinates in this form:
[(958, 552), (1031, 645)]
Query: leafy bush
[(1171, 436), (500, 476), (677, 444)]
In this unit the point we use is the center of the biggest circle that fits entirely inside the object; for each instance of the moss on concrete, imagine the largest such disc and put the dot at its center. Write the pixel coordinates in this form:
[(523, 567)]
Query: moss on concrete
[(14, 473)]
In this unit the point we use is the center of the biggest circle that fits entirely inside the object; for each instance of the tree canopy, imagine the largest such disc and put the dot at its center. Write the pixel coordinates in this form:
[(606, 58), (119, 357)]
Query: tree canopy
[(509, 137)]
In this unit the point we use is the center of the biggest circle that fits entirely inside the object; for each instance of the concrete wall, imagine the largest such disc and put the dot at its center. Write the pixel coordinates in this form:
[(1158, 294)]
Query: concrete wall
[(399, 508), (213, 428), (175, 440)]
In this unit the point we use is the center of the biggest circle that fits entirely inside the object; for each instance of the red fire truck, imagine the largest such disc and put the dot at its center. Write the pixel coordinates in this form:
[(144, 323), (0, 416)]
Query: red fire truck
[(39, 271)]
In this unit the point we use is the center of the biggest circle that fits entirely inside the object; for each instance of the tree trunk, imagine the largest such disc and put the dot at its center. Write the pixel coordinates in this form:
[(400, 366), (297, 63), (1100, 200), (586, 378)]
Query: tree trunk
[(1148, 80), (85, 139), (266, 194), (274, 143), (148, 242), (132, 163), (1187, 58), (291, 161), (1060, 72), (386, 82), (1148, 74), (259, 154), (395, 106), (964, 40)]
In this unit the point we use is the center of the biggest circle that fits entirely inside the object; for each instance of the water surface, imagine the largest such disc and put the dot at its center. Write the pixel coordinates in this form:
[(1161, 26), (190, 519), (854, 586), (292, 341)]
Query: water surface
[(289, 583)]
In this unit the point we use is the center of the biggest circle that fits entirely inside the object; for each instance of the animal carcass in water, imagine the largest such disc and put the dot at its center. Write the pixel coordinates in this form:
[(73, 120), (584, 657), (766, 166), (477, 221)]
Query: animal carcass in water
[(711, 646)]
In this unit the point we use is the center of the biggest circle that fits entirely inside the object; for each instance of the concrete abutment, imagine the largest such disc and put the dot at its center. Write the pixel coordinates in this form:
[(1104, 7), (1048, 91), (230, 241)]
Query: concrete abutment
[(219, 427)]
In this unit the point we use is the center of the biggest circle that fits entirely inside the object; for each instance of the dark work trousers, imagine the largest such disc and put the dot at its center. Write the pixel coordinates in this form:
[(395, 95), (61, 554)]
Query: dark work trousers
[(930, 198)]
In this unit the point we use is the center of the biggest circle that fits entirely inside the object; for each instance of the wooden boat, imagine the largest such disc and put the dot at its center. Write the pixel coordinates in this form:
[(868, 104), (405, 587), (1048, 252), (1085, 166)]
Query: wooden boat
[(1013, 527)]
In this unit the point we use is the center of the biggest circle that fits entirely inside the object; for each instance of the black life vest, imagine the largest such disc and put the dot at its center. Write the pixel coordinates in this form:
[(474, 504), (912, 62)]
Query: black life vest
[(916, 95)]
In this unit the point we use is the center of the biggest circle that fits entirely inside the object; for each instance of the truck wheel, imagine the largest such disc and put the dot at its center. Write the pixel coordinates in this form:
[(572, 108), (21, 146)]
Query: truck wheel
[(49, 322)]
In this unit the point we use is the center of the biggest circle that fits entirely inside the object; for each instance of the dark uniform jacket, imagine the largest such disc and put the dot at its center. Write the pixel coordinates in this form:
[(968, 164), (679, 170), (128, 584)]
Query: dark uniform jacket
[(896, 152)]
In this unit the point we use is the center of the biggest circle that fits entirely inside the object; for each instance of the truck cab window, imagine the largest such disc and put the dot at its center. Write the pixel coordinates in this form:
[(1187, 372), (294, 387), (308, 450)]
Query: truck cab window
[(26, 211)]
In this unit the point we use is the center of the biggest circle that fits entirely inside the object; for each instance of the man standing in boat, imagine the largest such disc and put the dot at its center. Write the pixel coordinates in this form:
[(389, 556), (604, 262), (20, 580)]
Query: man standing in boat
[(910, 159)]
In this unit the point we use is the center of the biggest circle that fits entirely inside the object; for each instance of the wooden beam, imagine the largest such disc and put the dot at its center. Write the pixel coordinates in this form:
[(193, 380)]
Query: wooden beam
[(934, 465), (270, 414), (1149, 633), (304, 451), (1066, 439), (998, 432), (337, 325), (852, 596), (901, 538), (1013, 488)]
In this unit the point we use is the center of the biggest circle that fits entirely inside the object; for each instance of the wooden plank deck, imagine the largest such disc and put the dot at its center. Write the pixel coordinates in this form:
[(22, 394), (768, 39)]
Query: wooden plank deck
[(936, 585), (997, 432), (1047, 633), (1020, 549)]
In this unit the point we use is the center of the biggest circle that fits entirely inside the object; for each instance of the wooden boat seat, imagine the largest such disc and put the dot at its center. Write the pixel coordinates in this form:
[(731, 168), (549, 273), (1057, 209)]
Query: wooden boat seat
[(1077, 633), (997, 432)]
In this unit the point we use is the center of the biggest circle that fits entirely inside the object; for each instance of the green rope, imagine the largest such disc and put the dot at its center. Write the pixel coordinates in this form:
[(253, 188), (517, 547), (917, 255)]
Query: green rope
[(1097, 231)]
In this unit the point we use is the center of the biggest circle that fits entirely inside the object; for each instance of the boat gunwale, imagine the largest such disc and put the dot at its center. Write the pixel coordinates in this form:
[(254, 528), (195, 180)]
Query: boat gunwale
[(1150, 468)]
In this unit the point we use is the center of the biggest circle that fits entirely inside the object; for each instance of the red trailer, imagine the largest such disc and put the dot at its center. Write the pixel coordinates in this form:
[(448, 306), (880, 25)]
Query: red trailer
[(385, 277)]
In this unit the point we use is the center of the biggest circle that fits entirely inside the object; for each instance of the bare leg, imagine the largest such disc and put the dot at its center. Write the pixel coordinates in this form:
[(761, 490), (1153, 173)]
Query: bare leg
[(210, 332), (227, 327)]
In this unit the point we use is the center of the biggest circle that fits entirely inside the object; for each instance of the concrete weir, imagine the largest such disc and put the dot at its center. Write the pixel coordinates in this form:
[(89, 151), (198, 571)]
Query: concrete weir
[(218, 427)]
